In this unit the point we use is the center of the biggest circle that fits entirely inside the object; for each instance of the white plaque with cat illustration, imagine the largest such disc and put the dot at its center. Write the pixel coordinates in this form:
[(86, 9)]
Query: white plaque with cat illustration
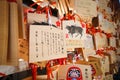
[(74, 32)]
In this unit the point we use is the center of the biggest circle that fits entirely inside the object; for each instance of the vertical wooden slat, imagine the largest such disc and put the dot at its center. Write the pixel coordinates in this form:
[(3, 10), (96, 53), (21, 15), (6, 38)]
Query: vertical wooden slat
[(72, 2), (13, 35), (3, 31), (61, 6), (67, 5), (59, 9), (20, 19), (64, 6)]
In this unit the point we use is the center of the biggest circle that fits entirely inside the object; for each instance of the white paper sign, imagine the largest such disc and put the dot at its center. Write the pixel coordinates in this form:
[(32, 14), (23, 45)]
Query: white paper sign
[(46, 43)]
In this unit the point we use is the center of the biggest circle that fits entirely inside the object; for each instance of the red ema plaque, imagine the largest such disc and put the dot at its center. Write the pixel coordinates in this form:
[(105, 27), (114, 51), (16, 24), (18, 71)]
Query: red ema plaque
[(74, 73)]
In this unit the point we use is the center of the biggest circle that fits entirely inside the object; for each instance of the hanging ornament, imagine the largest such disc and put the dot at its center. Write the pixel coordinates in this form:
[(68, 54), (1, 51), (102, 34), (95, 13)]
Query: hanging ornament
[(34, 70), (49, 71)]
